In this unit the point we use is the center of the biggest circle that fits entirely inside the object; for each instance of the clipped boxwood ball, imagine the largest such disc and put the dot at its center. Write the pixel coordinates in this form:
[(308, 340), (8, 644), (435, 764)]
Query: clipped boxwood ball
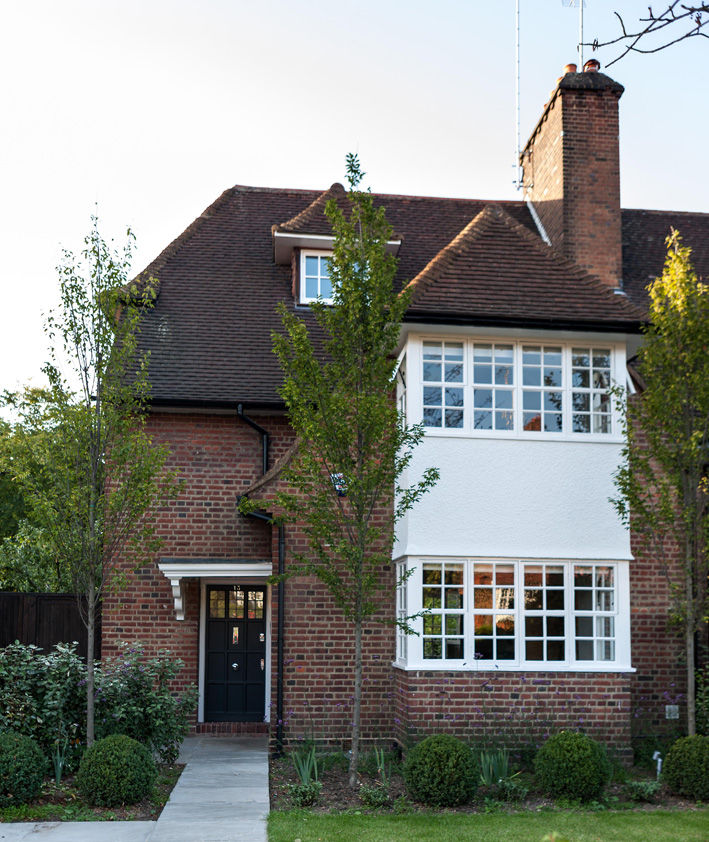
[(22, 769), (441, 771), (686, 768), (115, 770), (572, 765)]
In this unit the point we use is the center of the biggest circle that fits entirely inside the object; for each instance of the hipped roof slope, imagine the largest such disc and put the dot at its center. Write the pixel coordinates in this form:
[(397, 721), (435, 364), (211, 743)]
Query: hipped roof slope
[(209, 334)]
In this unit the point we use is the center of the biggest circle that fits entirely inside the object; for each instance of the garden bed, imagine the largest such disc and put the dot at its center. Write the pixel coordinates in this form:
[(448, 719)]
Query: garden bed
[(336, 796), (64, 804)]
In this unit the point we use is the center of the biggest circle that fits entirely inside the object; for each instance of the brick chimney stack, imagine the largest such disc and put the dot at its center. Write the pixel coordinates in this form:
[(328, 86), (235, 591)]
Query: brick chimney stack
[(571, 171)]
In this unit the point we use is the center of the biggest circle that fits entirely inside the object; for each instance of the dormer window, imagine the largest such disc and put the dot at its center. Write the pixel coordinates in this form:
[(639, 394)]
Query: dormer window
[(315, 276)]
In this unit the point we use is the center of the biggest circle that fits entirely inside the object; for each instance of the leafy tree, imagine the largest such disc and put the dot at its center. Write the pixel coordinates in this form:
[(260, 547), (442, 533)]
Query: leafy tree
[(663, 483), (675, 22), (82, 456), (354, 447)]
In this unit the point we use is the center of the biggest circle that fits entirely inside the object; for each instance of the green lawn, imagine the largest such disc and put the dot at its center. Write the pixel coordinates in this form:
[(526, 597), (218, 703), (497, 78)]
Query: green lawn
[(660, 826)]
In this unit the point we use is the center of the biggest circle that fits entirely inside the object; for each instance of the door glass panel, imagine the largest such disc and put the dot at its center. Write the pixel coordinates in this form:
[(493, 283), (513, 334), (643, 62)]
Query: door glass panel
[(255, 605), (236, 604), (217, 604)]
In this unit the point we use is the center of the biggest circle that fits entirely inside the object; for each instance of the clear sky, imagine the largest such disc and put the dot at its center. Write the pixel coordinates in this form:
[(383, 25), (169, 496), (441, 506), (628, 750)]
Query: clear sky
[(149, 109)]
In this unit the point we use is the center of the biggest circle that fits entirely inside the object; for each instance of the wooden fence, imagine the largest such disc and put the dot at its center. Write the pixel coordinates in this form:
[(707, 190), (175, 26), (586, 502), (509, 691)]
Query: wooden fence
[(44, 619)]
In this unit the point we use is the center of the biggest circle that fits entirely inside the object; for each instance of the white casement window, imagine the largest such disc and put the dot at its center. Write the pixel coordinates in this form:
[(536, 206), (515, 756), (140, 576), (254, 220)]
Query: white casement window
[(401, 389), (315, 276), (549, 615), (401, 612), (493, 382), (524, 388), (443, 384)]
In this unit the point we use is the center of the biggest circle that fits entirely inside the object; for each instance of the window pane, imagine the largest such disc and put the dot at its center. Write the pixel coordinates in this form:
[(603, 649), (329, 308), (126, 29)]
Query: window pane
[(454, 397), (454, 574), (311, 265), (454, 649), (482, 398), (431, 598), (432, 647), (555, 626), (454, 597), (555, 600), (584, 627), (505, 624), (311, 287), (431, 623), (483, 598), (432, 371), (534, 650), (326, 288), (432, 350), (505, 650), (583, 600), (584, 650), (432, 417), (482, 574), (482, 420), (432, 395), (454, 624), (534, 626), (483, 649), (432, 574), (555, 650), (454, 418), (483, 625)]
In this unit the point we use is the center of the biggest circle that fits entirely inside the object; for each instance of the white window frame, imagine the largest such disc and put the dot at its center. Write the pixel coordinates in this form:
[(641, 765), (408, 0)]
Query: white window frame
[(414, 659), (305, 253), (415, 345)]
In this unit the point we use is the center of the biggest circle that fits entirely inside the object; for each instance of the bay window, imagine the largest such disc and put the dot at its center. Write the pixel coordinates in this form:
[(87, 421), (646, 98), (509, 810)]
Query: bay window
[(544, 615), (518, 387)]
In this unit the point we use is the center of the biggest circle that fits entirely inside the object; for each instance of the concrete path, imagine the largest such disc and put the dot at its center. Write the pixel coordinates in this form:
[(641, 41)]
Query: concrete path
[(221, 796)]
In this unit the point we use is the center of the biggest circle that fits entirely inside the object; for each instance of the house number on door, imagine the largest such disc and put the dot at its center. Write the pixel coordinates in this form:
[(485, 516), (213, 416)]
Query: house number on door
[(262, 637)]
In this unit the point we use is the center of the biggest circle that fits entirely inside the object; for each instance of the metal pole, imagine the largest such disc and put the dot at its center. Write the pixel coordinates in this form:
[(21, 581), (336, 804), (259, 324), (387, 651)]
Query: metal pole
[(518, 169)]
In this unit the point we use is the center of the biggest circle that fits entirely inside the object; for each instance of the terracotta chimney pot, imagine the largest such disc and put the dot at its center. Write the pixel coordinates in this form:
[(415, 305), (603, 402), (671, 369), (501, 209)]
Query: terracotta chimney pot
[(569, 68), (592, 66)]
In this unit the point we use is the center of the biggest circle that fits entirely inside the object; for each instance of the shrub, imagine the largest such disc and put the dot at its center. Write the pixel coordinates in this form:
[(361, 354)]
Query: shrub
[(375, 797), (702, 701), (686, 768), (22, 768), (572, 765), (441, 771), (304, 795), (643, 791), (115, 770), (134, 697)]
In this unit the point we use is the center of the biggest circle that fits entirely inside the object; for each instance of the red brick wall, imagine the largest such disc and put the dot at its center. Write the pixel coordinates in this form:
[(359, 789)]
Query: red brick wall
[(517, 708), (574, 180)]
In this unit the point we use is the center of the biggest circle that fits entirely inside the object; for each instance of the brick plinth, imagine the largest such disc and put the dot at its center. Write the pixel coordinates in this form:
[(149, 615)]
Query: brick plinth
[(514, 709)]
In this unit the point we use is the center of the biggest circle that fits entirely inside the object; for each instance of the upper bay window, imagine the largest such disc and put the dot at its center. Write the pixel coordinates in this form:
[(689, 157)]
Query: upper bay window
[(517, 387), (315, 276)]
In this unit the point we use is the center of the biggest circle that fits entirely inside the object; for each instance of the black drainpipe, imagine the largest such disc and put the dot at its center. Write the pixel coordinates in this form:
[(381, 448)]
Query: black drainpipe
[(264, 516), (259, 429)]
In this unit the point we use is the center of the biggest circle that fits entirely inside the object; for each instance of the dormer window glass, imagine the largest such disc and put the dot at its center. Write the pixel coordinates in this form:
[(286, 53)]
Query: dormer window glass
[(443, 381), (315, 277)]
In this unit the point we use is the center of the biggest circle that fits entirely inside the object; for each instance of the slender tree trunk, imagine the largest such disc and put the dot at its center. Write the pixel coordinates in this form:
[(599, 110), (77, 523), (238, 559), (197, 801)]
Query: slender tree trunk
[(356, 712), (689, 653), (90, 625)]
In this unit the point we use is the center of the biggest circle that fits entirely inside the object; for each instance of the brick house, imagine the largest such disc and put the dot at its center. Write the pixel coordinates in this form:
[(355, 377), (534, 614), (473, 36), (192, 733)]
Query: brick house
[(542, 612)]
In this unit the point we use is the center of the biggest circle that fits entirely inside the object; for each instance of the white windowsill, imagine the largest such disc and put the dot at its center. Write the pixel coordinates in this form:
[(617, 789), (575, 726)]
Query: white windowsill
[(563, 668)]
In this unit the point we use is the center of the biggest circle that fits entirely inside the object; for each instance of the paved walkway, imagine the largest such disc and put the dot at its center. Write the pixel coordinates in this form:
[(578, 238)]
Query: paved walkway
[(221, 796)]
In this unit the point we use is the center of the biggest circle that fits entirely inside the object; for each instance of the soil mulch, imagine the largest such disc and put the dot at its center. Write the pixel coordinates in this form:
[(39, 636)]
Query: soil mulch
[(63, 802), (336, 795)]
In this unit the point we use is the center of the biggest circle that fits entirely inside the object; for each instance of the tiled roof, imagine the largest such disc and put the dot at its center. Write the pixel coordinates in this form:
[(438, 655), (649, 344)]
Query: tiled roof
[(209, 335), (312, 219), (496, 271), (644, 248)]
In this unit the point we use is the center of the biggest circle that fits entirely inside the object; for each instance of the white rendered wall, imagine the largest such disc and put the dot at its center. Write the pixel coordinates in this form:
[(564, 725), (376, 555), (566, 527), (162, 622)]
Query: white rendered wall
[(514, 498)]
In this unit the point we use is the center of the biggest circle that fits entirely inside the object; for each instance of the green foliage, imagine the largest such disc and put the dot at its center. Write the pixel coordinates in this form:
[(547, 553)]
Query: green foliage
[(374, 796), (22, 768), (686, 768), (494, 766), (663, 481), (354, 447), (644, 792), (441, 771), (304, 794), (305, 764), (42, 696), (572, 765), (115, 770), (135, 698)]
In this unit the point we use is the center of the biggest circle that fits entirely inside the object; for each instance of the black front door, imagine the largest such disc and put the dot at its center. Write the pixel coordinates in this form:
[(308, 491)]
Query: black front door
[(235, 671)]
